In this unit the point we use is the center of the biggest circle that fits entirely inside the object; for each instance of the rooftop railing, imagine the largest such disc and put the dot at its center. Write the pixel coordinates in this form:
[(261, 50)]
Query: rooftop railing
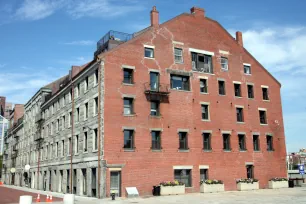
[(114, 35)]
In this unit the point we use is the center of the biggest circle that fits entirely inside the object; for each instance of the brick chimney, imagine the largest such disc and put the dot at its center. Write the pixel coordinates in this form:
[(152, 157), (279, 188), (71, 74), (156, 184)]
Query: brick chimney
[(154, 17), (239, 38), (197, 11)]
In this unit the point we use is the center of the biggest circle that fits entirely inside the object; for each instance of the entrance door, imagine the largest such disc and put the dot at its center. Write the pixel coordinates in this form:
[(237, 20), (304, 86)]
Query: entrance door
[(115, 183)]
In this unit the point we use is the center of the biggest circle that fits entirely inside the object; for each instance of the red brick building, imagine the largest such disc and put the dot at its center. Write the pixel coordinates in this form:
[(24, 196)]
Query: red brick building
[(185, 100)]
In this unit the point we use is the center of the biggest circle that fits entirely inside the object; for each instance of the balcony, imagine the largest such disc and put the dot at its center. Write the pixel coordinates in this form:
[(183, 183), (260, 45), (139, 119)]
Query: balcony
[(38, 117), (112, 39), (15, 148), (157, 92)]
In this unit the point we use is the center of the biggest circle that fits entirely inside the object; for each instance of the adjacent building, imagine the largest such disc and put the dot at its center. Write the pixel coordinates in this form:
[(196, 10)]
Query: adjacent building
[(180, 100)]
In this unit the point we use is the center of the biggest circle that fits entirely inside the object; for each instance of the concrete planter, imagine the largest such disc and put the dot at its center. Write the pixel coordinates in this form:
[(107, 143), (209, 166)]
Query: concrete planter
[(172, 190), (247, 186), (212, 188), (278, 184)]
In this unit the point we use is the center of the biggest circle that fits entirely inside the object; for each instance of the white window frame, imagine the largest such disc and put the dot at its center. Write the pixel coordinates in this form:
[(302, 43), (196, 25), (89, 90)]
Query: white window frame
[(176, 55), (224, 58)]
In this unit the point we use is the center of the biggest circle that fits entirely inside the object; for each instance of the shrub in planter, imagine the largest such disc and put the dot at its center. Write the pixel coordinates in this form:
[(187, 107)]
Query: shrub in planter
[(211, 186), (247, 184), (278, 183), (172, 188)]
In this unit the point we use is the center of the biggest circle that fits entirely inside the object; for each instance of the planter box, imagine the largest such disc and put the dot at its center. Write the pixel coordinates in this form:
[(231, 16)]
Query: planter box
[(278, 184), (213, 188), (172, 190), (247, 186)]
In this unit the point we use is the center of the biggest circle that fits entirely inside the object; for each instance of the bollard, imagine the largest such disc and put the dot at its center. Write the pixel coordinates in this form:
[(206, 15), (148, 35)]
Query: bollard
[(69, 199), (113, 196), (25, 200)]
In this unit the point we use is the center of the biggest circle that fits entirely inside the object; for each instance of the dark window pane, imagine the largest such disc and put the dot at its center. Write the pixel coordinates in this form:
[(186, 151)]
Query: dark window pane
[(250, 91), (237, 88), (241, 142), (149, 52), (156, 140), (265, 94), (180, 82), (206, 141), (247, 69), (203, 86), (184, 176), (154, 108), (239, 112), (221, 87), (154, 81), (262, 116), (256, 142), (128, 76), (270, 143), (203, 174), (183, 141), (226, 142), (205, 113), (250, 173), (201, 63), (128, 139)]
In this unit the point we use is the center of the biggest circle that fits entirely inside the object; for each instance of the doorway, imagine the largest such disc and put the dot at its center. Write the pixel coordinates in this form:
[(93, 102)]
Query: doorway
[(115, 183)]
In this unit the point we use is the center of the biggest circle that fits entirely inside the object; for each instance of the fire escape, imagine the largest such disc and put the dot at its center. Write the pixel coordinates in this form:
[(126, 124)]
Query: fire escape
[(157, 92)]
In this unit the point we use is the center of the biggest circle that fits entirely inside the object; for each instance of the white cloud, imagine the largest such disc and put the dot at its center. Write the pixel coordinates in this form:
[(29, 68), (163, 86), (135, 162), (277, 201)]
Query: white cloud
[(102, 8), (37, 9), (80, 42)]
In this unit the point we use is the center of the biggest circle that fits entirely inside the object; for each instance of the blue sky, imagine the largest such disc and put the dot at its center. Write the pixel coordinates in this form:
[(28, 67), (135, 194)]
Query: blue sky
[(40, 40)]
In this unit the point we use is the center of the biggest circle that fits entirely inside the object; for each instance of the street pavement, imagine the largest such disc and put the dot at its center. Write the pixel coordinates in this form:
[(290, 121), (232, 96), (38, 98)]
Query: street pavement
[(296, 195)]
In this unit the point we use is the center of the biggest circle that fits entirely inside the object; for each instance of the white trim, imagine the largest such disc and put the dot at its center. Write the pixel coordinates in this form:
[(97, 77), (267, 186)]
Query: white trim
[(249, 163), (236, 82), (182, 130), (224, 52), (202, 77), (127, 67), (262, 109), (241, 133), (255, 133), (149, 46), (201, 51), (156, 129), (264, 86), (246, 64), (250, 83), (115, 169), (128, 96), (239, 106), (203, 166), (269, 134), (204, 103), (154, 70), (220, 79), (183, 167), (178, 43), (226, 132), (128, 128), (207, 131)]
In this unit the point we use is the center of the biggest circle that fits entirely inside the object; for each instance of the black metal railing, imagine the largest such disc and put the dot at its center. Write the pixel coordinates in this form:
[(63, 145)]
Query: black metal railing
[(156, 88), (114, 35)]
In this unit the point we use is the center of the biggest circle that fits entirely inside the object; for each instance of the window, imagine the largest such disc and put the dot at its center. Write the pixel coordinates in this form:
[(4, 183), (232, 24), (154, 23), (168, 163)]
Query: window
[(250, 91), (239, 112), (205, 112), (86, 111), (85, 142), (95, 139), (237, 88), (62, 148), (262, 117), (77, 91), (224, 63), (206, 141), (180, 82), (128, 106), (154, 81), (265, 94), (184, 176), (77, 118), (241, 139), (70, 95), (203, 85), (156, 144), (69, 119), (226, 142), (183, 141), (269, 143), (201, 63), (128, 139), (203, 174), (52, 127), (247, 69), (221, 87), (154, 108), (128, 76), (69, 146), (86, 84), (76, 144), (96, 106), (256, 143), (63, 122), (56, 149), (178, 55), (250, 171), (96, 76), (149, 52)]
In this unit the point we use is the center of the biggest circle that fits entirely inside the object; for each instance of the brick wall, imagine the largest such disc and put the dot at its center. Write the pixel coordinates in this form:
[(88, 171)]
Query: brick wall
[(144, 168)]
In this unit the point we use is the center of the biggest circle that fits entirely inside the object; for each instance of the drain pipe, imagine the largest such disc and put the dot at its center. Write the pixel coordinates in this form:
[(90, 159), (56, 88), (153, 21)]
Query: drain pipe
[(99, 125)]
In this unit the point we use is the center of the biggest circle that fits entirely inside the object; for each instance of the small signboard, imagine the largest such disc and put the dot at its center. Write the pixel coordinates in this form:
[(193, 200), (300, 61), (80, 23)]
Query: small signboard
[(132, 192), (301, 169)]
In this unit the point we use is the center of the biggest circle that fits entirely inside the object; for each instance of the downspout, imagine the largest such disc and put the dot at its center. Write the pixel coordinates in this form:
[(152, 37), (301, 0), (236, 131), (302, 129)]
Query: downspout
[(72, 128), (99, 127)]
